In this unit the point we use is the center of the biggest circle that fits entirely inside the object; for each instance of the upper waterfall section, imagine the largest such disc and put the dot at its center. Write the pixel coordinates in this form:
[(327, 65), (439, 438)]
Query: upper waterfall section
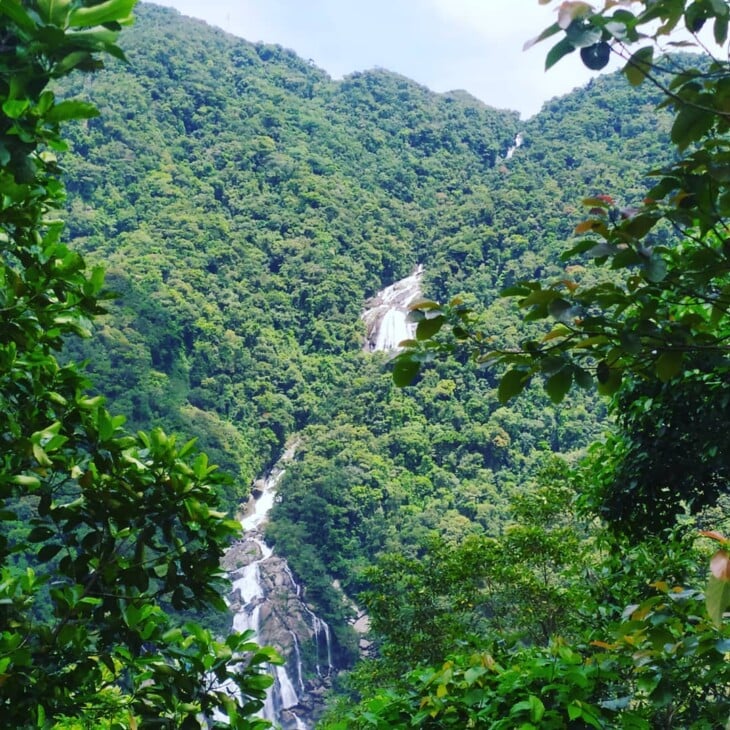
[(386, 316)]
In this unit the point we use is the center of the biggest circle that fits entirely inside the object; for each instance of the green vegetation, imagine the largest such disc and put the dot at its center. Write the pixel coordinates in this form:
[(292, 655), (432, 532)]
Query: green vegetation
[(252, 207), (652, 332), (244, 207), (107, 537)]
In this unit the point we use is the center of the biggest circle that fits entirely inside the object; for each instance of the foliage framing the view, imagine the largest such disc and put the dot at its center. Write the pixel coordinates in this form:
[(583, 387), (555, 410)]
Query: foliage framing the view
[(670, 313), (107, 537), (658, 339), (662, 313)]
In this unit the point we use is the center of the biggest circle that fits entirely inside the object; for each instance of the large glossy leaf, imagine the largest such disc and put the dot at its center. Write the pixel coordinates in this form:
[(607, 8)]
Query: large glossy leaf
[(71, 109), (717, 598), (104, 12), (512, 383)]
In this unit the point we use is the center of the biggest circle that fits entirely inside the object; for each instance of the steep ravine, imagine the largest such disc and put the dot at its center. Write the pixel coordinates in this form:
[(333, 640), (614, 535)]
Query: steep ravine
[(265, 597)]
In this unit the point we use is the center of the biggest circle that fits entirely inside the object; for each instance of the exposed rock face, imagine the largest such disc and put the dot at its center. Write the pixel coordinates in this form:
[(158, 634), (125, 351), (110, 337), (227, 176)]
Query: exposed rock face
[(265, 598), (386, 314)]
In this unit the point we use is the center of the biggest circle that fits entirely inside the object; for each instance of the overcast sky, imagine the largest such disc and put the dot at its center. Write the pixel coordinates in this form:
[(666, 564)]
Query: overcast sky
[(444, 44)]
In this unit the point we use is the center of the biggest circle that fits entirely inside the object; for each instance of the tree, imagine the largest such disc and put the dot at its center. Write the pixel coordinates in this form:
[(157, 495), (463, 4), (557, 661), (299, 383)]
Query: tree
[(108, 538), (657, 324)]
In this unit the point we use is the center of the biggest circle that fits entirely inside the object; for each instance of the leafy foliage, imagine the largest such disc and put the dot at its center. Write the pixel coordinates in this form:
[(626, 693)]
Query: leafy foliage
[(245, 206), (661, 314), (107, 536), (653, 331)]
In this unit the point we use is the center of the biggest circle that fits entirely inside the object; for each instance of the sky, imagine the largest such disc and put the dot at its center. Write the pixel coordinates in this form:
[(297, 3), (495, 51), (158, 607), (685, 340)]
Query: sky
[(474, 45)]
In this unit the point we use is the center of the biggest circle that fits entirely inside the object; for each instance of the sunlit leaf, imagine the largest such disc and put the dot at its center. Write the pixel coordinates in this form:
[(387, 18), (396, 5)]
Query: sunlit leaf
[(717, 598), (639, 65)]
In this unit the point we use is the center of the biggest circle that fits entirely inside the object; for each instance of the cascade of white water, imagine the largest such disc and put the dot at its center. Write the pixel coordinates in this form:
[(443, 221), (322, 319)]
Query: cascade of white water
[(286, 689), (321, 628), (328, 639), (394, 328), (247, 620), (298, 657), (519, 139), (297, 588), (249, 585), (249, 594), (386, 317)]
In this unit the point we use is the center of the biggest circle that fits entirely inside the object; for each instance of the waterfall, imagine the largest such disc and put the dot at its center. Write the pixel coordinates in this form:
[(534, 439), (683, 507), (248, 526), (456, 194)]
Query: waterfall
[(263, 593), (519, 139), (286, 689), (298, 658), (386, 315)]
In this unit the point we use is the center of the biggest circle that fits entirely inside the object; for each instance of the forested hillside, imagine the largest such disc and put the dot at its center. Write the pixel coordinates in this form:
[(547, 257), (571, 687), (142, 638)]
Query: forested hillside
[(246, 206), (511, 562)]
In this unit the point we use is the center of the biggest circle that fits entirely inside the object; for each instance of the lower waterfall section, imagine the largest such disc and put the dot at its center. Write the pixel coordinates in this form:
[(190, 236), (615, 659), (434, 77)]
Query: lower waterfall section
[(267, 600)]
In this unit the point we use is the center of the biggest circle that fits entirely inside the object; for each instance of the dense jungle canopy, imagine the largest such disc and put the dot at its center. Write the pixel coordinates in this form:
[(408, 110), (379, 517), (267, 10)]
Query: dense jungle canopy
[(525, 563)]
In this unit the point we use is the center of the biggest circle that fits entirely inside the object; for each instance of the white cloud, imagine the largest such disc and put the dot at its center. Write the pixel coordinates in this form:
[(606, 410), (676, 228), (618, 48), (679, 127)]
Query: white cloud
[(445, 44)]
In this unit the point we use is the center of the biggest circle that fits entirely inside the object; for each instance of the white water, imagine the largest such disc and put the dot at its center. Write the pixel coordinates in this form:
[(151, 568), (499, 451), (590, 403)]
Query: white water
[(249, 595), (286, 689), (386, 317), (298, 657), (519, 139)]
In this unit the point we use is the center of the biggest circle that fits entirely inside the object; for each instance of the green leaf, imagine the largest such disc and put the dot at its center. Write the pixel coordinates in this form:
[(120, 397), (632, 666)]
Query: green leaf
[(639, 65), (582, 34), (25, 480), (39, 534), (513, 382), (574, 711), (427, 328), (48, 552), (537, 708), (14, 108), (550, 31), (609, 379), (558, 51), (655, 269), (583, 378), (16, 12), (557, 385), (690, 124), (105, 12), (717, 598), (669, 364), (405, 371), (720, 29), (71, 109)]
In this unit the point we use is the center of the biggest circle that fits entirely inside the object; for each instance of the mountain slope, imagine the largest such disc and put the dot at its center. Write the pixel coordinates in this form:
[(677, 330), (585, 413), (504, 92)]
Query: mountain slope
[(246, 206)]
